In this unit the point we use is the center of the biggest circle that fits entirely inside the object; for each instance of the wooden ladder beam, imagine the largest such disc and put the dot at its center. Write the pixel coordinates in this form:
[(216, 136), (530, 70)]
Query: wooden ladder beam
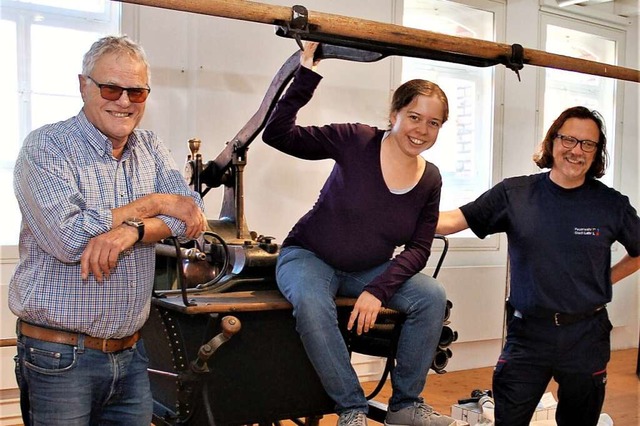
[(380, 32)]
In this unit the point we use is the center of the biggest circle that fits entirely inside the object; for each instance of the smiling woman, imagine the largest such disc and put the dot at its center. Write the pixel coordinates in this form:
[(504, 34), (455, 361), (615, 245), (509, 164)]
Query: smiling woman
[(381, 194), (40, 93)]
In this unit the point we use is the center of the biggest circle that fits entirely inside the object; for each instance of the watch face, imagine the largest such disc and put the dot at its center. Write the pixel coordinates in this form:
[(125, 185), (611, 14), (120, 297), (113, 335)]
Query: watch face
[(134, 222)]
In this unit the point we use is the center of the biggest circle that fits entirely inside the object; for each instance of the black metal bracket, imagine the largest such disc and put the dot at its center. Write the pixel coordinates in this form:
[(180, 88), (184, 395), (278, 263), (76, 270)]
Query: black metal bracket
[(516, 62), (299, 23)]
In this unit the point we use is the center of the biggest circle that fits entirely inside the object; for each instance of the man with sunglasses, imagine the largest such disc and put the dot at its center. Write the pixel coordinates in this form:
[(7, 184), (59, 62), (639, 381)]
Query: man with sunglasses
[(95, 193), (560, 226)]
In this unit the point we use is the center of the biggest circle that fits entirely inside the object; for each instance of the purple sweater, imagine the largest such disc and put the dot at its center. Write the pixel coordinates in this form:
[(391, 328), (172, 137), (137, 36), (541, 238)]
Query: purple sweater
[(357, 222)]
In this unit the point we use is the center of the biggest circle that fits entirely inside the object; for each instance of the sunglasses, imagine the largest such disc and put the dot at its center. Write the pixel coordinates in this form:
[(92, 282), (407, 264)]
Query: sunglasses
[(111, 92)]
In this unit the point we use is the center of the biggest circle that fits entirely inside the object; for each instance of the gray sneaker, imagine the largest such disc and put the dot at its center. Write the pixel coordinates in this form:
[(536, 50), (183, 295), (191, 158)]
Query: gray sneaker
[(418, 414), (352, 418)]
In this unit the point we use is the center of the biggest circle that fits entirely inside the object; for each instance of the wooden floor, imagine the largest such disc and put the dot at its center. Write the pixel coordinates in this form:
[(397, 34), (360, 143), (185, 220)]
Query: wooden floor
[(622, 401)]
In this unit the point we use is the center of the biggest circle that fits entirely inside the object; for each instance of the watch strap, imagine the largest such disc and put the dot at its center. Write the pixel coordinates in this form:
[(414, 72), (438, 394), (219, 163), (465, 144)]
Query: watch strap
[(136, 223)]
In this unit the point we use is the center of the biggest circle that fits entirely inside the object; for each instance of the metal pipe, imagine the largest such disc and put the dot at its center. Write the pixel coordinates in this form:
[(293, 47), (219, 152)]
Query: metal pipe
[(170, 251)]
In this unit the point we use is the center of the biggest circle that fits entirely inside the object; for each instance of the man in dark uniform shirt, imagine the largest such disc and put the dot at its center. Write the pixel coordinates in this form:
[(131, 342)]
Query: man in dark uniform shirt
[(560, 226)]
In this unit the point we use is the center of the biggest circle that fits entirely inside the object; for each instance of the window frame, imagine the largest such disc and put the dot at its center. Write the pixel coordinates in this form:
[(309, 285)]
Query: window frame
[(25, 15), (495, 242), (600, 28)]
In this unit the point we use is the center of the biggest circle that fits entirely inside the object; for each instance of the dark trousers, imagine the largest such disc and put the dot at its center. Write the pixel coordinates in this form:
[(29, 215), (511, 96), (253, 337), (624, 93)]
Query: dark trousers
[(575, 355)]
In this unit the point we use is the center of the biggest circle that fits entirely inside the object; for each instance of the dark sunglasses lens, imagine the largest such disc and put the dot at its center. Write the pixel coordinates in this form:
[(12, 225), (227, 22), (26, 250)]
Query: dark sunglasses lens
[(111, 93), (137, 95)]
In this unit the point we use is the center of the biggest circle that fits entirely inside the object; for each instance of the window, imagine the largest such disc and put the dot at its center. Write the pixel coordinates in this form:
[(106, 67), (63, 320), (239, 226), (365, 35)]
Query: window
[(43, 42), (564, 89), (464, 151)]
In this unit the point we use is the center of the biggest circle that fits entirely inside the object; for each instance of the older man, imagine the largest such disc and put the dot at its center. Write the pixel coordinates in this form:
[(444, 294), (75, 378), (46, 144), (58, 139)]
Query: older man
[(95, 195)]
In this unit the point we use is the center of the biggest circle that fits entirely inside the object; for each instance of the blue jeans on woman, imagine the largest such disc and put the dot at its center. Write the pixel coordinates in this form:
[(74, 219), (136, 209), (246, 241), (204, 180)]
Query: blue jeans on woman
[(64, 385), (311, 286)]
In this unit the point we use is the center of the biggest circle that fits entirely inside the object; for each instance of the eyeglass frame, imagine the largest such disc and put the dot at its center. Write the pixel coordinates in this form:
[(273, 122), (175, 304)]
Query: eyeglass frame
[(564, 139), (121, 89)]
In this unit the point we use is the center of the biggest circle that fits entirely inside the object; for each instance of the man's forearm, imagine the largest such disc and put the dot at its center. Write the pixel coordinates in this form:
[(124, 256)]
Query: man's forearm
[(155, 230), (180, 207), (625, 267), (146, 207), (451, 222)]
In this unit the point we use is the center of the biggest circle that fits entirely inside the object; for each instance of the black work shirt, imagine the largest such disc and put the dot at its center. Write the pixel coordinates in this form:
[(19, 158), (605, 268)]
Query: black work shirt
[(559, 239)]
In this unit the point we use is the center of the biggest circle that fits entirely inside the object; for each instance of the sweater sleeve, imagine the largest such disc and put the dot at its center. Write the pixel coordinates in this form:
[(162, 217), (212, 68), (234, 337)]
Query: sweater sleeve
[(281, 131)]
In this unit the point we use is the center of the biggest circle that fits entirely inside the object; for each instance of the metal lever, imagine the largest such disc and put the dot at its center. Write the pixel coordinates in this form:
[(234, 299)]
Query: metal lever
[(230, 326)]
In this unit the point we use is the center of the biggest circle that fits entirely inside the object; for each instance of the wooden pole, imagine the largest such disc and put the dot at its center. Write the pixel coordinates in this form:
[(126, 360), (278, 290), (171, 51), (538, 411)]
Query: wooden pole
[(356, 28)]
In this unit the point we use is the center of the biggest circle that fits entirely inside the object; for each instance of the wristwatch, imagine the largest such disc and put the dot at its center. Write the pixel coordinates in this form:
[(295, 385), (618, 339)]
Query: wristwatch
[(136, 223)]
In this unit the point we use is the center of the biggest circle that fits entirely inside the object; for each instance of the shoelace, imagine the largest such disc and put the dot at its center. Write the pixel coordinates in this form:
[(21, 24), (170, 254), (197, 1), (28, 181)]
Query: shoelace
[(353, 419), (424, 410)]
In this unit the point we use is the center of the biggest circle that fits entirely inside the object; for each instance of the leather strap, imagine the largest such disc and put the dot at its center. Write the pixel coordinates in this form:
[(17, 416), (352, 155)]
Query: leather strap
[(68, 338), (559, 318)]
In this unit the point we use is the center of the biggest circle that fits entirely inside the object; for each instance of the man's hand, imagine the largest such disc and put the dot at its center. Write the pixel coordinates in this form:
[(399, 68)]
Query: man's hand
[(185, 209), (101, 254), (365, 311)]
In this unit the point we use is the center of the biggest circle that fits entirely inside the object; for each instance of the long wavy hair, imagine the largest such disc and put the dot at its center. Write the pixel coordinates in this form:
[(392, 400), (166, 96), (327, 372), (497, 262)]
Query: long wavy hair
[(544, 156)]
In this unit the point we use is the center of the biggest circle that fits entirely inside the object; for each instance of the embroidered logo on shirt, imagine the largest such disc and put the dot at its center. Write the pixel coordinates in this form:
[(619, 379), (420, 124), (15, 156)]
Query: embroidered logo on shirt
[(594, 232)]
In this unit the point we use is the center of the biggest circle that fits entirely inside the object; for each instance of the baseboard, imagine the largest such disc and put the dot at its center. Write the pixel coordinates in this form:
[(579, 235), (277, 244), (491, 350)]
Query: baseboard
[(10, 408)]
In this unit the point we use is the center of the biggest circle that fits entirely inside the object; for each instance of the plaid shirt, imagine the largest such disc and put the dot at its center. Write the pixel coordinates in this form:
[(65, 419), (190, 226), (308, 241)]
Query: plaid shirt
[(67, 181)]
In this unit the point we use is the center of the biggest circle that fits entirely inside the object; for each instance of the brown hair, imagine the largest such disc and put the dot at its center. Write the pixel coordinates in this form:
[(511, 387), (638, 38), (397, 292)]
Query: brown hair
[(407, 92), (544, 157)]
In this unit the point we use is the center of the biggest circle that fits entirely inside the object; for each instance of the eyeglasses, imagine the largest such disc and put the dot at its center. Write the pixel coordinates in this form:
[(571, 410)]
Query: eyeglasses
[(569, 142), (111, 92)]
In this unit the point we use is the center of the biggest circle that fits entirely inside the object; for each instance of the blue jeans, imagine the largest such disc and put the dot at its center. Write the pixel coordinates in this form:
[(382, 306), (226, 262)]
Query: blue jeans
[(63, 385), (311, 285)]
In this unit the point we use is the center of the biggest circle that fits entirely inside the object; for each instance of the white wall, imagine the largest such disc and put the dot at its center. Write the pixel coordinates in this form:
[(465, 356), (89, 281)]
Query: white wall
[(209, 76)]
